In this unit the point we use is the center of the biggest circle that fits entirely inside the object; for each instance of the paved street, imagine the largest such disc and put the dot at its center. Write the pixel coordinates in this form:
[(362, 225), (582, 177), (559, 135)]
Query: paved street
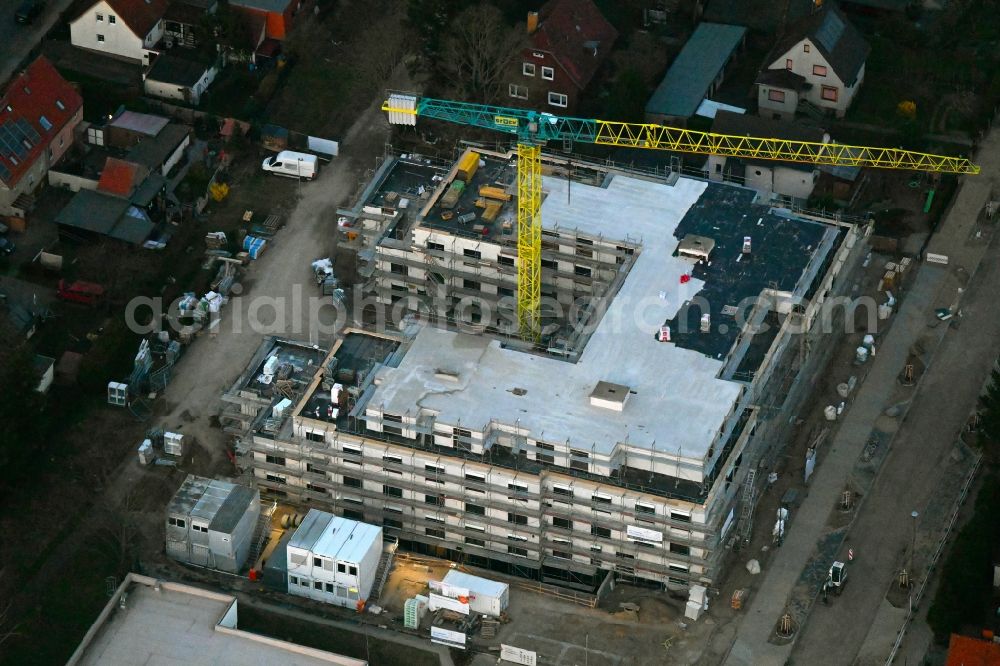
[(885, 533), (18, 40)]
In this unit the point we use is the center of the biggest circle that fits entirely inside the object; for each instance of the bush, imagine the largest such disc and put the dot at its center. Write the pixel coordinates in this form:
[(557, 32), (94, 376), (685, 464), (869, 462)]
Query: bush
[(963, 595)]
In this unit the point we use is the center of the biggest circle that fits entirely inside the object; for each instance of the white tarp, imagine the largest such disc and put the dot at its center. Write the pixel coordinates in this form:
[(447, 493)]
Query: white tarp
[(708, 108), (437, 601)]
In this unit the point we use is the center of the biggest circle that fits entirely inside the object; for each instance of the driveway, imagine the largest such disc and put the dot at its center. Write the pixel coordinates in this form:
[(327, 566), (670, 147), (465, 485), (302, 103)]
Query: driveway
[(17, 39)]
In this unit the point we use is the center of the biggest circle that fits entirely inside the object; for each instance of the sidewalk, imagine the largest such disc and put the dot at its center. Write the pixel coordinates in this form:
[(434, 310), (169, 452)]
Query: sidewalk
[(932, 288)]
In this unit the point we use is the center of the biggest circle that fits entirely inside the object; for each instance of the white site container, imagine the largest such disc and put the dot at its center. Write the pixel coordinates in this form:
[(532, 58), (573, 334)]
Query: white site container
[(146, 453), (173, 444), (487, 597)]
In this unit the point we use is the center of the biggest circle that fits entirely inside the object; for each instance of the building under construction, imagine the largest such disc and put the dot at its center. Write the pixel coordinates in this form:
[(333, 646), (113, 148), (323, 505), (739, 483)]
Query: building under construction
[(684, 324)]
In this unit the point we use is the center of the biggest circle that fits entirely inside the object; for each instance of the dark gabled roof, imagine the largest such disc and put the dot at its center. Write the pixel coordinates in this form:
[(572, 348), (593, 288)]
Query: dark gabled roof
[(840, 43), (577, 34), (139, 15), (781, 78), (696, 66), (107, 215), (36, 105), (177, 71), (153, 151)]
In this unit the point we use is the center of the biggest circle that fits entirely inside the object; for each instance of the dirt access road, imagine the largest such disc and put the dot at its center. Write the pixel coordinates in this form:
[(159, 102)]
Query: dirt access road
[(273, 286)]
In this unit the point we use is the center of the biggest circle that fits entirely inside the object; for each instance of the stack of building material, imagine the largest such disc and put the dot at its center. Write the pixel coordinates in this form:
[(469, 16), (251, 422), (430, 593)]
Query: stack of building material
[(467, 166), (454, 193), (215, 240), (493, 192), (492, 210), (254, 246)]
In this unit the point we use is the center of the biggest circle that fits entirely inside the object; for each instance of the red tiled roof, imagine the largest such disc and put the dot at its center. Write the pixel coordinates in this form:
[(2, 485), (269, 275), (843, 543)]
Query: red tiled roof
[(139, 15), (36, 106), (965, 651), (119, 177), (572, 30)]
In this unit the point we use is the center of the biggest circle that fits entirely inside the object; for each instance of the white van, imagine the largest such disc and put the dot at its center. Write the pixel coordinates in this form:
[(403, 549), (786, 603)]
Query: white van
[(292, 164)]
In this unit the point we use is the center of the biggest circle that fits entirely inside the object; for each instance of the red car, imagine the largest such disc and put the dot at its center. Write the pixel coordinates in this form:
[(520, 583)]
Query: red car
[(87, 293)]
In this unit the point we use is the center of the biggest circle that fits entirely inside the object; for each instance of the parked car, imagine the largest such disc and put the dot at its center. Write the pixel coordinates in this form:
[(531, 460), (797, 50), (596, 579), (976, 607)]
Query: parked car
[(6, 246), (29, 11), (292, 164), (87, 293)]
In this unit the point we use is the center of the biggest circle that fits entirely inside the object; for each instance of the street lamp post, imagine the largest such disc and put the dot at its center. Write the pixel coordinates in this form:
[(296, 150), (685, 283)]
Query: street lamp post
[(913, 548)]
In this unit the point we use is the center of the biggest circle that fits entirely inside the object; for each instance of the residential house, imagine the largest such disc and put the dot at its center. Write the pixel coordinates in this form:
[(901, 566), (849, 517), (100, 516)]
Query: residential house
[(278, 14), (788, 182), (179, 78), (128, 29), (162, 152), (823, 57), (567, 42), (182, 21), (39, 112), (696, 73)]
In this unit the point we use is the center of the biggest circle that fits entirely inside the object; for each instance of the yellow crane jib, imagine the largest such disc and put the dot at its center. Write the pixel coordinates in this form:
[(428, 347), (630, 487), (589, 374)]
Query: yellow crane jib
[(533, 129)]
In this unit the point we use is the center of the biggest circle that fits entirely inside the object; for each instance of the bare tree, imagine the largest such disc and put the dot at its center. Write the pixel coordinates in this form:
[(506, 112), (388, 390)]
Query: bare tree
[(479, 49), (7, 629), (118, 533)]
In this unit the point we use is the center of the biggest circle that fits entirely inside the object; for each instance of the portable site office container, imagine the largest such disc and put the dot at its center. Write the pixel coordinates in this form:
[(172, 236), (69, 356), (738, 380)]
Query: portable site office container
[(211, 523), (487, 597), (333, 559)]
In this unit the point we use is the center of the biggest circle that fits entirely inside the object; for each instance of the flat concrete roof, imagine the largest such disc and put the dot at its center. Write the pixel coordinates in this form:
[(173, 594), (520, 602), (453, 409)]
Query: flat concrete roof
[(181, 624), (678, 404)]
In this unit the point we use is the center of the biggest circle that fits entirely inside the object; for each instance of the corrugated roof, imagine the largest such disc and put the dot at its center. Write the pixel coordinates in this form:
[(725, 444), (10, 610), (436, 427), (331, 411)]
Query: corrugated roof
[(141, 123), (36, 106), (233, 509), (696, 66), (965, 651), (337, 538), (840, 43), (148, 189), (108, 215), (577, 34)]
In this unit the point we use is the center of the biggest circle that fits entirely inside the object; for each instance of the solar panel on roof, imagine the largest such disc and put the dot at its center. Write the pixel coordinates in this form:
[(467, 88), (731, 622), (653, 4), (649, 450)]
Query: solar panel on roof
[(19, 134), (10, 140), (28, 130), (4, 172), (830, 31)]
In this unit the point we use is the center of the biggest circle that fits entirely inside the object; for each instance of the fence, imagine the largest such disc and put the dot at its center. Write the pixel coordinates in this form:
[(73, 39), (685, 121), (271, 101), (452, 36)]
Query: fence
[(915, 600)]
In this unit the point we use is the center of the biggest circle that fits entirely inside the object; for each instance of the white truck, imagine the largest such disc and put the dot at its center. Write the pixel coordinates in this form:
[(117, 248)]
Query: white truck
[(292, 164)]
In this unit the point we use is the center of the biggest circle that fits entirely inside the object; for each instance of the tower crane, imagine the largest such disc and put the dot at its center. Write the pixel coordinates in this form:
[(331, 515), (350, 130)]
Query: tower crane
[(533, 129)]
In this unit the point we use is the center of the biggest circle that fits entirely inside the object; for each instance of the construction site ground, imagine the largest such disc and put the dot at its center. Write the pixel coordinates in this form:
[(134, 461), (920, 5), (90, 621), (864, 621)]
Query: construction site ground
[(895, 468)]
